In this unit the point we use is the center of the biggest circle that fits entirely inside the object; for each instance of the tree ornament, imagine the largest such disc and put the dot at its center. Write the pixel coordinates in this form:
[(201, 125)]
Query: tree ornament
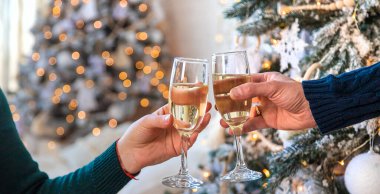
[(285, 10), (363, 173), (291, 48)]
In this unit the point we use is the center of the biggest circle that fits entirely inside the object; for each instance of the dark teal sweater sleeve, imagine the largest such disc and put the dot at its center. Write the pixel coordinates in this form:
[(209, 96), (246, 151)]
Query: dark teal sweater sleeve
[(20, 174), (340, 101)]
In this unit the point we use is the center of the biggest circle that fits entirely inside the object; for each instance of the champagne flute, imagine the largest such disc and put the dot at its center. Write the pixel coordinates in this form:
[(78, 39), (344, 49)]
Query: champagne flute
[(188, 102), (231, 69)]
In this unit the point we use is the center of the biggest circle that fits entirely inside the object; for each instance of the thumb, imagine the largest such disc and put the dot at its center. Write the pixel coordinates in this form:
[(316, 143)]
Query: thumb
[(156, 121), (251, 90)]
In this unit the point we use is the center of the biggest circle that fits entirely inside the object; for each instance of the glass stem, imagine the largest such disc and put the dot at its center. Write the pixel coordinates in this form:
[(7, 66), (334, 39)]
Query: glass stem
[(184, 147), (239, 152)]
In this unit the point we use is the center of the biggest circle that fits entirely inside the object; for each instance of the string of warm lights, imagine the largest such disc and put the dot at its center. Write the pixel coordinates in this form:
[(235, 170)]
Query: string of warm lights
[(149, 68), (257, 136)]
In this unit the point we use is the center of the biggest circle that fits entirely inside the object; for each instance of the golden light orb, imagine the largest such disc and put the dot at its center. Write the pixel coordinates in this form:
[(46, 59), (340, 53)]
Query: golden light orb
[(159, 74), (144, 102), (40, 72), (112, 123), (143, 7), (70, 118), (123, 75), (96, 131), (128, 50), (66, 88), (36, 56), (139, 65), (98, 24), (80, 70), (147, 69), (122, 95), (81, 114), (60, 131), (75, 55), (51, 145), (142, 36), (127, 83)]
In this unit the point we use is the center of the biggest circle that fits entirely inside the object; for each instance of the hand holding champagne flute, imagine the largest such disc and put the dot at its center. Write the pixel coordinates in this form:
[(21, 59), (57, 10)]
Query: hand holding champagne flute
[(230, 70), (188, 102), (233, 112)]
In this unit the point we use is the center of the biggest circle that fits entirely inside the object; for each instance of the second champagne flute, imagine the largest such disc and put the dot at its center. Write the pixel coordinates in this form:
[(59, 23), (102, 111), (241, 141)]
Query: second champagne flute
[(229, 70), (188, 102)]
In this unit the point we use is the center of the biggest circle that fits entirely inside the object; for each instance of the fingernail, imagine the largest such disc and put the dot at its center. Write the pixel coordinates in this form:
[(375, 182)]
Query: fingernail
[(167, 119)]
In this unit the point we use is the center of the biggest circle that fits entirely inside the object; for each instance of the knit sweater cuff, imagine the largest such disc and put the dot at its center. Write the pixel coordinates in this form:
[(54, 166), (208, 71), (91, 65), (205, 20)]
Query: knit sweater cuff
[(347, 99), (108, 169), (323, 104)]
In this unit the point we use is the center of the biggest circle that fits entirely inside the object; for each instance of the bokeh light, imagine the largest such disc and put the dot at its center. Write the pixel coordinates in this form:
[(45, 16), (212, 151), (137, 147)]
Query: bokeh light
[(144, 102)]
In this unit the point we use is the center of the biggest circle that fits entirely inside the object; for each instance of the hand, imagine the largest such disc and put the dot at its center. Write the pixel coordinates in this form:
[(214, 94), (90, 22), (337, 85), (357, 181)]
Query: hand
[(283, 103), (153, 140)]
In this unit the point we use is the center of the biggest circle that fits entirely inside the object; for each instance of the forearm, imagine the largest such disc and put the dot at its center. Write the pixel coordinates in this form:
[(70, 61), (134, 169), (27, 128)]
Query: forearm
[(103, 175), (20, 173), (340, 101)]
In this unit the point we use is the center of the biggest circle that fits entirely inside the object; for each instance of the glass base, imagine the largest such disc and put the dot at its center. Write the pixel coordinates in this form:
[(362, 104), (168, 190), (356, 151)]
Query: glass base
[(241, 174), (182, 181)]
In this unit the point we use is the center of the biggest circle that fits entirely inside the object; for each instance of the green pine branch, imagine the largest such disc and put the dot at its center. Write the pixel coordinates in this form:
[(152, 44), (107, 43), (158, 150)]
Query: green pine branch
[(309, 149)]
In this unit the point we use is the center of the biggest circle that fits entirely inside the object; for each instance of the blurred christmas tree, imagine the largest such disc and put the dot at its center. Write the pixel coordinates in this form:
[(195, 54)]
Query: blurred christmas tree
[(94, 62), (314, 38)]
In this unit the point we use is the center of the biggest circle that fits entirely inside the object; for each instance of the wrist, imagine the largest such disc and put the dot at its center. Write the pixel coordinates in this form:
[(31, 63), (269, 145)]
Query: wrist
[(310, 118), (126, 158)]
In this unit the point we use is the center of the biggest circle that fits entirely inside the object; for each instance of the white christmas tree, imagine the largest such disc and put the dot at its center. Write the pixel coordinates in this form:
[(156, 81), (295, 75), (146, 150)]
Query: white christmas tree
[(95, 63)]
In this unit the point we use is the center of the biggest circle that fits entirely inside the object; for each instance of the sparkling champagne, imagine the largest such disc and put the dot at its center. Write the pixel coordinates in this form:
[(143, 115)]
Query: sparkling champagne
[(188, 104), (234, 112)]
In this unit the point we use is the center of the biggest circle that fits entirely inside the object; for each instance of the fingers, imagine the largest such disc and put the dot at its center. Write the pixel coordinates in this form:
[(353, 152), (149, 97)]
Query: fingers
[(258, 77), (163, 110), (166, 109), (156, 121), (188, 96), (209, 105), (206, 120), (254, 124), (223, 123), (224, 86), (250, 90)]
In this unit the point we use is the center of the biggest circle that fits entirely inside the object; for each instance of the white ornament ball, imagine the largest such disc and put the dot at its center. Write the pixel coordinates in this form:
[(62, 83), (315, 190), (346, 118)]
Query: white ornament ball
[(363, 174)]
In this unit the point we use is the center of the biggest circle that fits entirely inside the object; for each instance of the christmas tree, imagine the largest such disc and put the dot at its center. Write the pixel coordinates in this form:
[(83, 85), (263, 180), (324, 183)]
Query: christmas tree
[(305, 40), (94, 63)]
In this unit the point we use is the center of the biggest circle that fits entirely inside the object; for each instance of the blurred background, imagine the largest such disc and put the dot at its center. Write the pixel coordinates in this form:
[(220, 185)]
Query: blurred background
[(77, 72)]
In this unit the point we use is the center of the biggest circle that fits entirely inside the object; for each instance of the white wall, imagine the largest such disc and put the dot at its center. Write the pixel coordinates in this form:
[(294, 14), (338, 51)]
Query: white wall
[(16, 40), (194, 25)]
